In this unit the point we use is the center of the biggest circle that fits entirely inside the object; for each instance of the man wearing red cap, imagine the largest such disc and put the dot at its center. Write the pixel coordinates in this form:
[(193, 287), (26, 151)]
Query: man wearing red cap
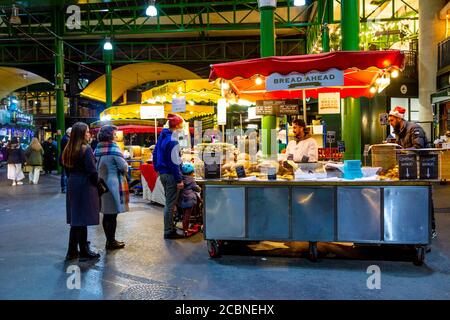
[(167, 162), (408, 134)]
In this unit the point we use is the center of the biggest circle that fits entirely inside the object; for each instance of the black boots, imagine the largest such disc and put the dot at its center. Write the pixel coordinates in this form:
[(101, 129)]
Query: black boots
[(78, 237), (113, 245), (109, 226)]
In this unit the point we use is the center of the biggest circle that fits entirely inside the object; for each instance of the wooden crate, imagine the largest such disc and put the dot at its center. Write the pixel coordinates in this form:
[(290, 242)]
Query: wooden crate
[(444, 165)]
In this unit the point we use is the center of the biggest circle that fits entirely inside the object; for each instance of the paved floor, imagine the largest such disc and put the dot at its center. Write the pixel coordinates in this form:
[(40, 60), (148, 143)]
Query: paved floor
[(33, 243)]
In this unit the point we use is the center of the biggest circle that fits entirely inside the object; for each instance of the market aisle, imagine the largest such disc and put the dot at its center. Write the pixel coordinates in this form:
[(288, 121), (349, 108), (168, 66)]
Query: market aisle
[(33, 240)]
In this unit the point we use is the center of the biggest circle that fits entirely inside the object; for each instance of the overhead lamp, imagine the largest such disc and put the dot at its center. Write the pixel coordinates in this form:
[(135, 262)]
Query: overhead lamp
[(191, 102), (258, 81), (151, 9), (395, 73), (373, 89), (225, 86), (299, 3), (107, 45), (15, 19)]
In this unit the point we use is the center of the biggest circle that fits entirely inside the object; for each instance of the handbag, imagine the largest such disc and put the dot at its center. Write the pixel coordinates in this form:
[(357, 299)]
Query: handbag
[(102, 187)]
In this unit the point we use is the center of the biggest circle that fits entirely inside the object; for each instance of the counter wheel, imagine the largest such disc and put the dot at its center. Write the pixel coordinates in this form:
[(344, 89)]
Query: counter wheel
[(313, 253), (213, 248), (420, 256)]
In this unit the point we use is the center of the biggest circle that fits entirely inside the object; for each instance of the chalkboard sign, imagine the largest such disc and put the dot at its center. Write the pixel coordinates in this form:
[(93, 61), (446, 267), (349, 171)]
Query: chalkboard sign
[(266, 110), (331, 136), (271, 174), (429, 167), (407, 166), (240, 170), (341, 146), (212, 171), (288, 109)]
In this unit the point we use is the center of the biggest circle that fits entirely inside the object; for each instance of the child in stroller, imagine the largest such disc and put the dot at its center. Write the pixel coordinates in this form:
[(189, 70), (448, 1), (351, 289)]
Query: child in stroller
[(189, 201)]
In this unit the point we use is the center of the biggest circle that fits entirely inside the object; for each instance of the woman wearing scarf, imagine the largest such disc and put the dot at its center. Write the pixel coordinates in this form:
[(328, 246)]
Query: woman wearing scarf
[(112, 168)]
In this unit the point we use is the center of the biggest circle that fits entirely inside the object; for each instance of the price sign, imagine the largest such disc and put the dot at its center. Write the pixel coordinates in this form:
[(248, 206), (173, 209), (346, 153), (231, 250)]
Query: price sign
[(331, 136), (407, 166), (240, 170), (429, 167)]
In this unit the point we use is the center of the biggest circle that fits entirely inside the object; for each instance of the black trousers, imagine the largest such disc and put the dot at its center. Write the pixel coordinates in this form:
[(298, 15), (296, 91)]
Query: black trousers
[(109, 226), (77, 238)]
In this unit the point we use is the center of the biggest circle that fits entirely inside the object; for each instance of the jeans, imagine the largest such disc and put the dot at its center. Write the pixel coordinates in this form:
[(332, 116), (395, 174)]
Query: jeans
[(171, 193), (63, 179)]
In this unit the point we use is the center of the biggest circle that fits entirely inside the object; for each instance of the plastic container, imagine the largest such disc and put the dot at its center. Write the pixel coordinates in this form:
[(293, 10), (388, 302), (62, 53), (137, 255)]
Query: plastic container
[(352, 169)]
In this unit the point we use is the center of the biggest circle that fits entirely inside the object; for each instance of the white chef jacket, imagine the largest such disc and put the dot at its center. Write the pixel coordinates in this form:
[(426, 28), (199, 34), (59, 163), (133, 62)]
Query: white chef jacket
[(307, 147)]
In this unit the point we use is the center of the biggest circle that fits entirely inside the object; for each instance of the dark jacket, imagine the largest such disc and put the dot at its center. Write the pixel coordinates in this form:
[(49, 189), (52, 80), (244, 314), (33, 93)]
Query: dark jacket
[(64, 142), (188, 196), (15, 154), (34, 157), (411, 135), (162, 155), (82, 200)]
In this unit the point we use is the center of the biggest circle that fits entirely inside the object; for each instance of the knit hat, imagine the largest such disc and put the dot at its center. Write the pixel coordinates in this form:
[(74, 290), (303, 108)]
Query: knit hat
[(174, 120), (398, 112)]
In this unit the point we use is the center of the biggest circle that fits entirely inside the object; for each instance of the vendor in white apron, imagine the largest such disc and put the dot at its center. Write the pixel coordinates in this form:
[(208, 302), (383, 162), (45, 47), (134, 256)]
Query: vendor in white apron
[(303, 148)]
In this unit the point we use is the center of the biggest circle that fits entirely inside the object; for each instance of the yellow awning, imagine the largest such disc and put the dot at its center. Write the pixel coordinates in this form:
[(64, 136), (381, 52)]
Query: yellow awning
[(197, 91), (133, 111), (132, 75), (12, 79)]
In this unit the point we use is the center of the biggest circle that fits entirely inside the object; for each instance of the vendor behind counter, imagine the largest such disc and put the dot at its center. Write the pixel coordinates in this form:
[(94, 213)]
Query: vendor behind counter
[(303, 148)]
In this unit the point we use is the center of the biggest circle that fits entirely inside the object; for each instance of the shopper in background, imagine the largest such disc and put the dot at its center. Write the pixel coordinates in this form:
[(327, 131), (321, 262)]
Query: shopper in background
[(303, 148), (82, 200), (64, 142), (94, 142), (15, 161), (33, 158), (50, 153), (112, 168), (167, 162)]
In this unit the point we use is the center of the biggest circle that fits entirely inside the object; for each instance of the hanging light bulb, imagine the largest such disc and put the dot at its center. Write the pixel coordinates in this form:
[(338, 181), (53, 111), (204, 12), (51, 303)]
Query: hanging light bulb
[(395, 73), (15, 19), (373, 89), (225, 86), (107, 45), (299, 3), (151, 9), (258, 81)]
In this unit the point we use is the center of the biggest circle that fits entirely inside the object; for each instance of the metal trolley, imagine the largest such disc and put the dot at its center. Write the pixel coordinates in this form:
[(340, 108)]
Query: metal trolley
[(378, 212)]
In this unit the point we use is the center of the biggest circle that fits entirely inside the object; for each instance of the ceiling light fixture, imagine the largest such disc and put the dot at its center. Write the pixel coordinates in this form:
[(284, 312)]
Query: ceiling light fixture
[(107, 45), (151, 9), (15, 19), (299, 3)]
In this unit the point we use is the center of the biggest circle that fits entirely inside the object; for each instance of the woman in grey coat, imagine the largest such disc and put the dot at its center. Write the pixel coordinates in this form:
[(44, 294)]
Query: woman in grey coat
[(112, 168)]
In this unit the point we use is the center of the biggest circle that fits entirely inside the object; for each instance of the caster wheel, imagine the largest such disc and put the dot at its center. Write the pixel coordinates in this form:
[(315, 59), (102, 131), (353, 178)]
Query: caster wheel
[(420, 256), (213, 248), (313, 253)]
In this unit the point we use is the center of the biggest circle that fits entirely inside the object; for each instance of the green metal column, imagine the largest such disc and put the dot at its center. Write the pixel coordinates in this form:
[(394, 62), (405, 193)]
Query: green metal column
[(59, 80), (107, 55), (351, 117), (267, 28), (324, 21)]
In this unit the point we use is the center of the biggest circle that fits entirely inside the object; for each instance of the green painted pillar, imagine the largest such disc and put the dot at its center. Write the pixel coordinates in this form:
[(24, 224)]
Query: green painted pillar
[(351, 116), (59, 88), (324, 19), (267, 28), (107, 56)]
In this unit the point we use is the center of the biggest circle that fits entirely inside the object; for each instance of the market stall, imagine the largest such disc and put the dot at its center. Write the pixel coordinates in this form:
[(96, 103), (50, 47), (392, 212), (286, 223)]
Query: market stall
[(277, 199)]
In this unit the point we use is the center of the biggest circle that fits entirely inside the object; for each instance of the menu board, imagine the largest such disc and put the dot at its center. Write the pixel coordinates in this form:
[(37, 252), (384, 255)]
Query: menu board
[(288, 109), (266, 110), (429, 168), (276, 107), (407, 166)]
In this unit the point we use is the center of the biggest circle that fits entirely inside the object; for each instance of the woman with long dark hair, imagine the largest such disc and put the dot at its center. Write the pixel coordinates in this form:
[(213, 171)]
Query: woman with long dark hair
[(82, 201)]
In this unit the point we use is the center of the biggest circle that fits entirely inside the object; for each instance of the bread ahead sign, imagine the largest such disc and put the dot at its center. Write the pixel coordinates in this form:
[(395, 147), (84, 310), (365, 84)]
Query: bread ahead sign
[(298, 81)]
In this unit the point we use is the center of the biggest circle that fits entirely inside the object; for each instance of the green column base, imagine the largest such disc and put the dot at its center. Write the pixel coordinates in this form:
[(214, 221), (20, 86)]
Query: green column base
[(351, 129)]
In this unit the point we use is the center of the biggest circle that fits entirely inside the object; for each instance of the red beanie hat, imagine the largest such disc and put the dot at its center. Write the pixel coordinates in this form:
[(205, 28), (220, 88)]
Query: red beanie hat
[(174, 120), (398, 112)]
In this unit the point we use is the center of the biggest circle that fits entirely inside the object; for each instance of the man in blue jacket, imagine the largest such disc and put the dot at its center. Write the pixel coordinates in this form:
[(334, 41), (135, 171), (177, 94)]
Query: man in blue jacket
[(167, 162)]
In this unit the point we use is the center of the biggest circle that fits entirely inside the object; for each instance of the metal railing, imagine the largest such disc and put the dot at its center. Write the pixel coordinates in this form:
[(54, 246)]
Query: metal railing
[(444, 54)]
